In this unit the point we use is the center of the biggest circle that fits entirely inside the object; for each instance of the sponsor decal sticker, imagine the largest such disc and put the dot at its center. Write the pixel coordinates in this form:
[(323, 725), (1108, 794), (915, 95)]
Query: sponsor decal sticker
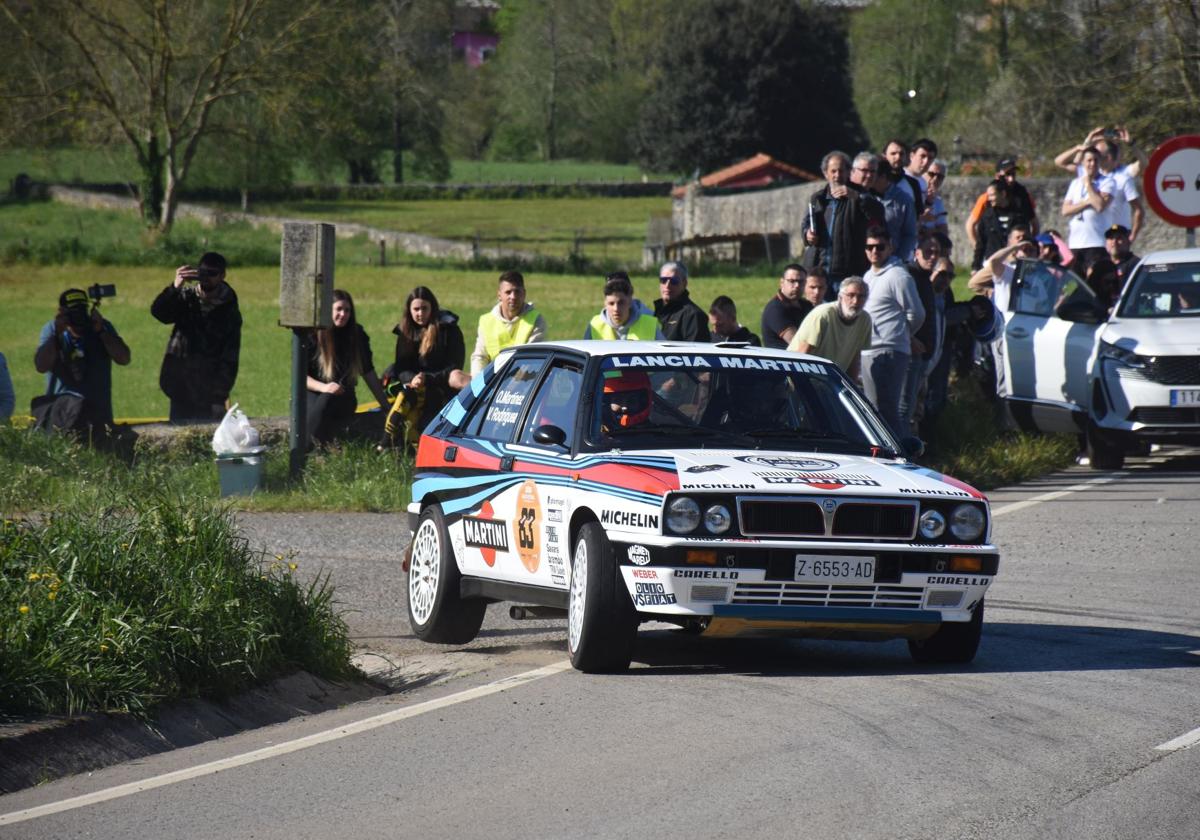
[(717, 486), (703, 468), (630, 519), (790, 462), (487, 534), (527, 527), (707, 574), (958, 580), (652, 595), (958, 494), (639, 555), (821, 481), (647, 574), (554, 515)]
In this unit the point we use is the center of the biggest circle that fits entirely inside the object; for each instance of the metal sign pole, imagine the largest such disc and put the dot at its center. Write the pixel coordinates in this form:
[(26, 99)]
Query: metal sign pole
[(1190, 241), (298, 428)]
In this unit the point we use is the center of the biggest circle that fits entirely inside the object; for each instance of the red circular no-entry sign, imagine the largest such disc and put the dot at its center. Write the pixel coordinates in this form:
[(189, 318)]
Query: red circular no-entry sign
[(1172, 181)]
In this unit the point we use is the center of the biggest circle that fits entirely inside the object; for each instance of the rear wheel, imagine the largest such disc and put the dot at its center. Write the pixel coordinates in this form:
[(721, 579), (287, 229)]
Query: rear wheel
[(954, 642), (601, 620), (436, 611), (1105, 451)]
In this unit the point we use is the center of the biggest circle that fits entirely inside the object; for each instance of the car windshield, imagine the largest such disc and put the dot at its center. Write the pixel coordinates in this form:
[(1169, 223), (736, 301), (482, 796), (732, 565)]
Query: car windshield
[(1163, 290), (731, 401)]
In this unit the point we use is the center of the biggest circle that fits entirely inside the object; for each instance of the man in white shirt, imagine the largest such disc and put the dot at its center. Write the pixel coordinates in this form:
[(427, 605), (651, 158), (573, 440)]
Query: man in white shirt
[(1126, 209), (1086, 205)]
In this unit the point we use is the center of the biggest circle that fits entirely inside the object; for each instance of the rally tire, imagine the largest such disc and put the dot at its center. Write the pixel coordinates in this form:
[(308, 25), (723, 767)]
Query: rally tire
[(1104, 451), (601, 620), (955, 642), (436, 610)]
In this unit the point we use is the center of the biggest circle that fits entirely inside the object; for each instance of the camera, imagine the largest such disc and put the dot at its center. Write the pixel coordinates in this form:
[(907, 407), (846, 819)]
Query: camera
[(98, 290)]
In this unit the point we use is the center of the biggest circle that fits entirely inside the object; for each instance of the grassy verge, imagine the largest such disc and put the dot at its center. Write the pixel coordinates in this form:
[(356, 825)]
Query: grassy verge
[(122, 606)]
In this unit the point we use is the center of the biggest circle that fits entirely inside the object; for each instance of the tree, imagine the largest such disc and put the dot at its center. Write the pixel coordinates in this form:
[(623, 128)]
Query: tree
[(739, 77), (153, 73)]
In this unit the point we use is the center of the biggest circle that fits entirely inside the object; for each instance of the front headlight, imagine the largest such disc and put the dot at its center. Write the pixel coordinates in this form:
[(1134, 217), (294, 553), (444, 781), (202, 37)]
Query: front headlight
[(966, 523), (683, 515), (1122, 356), (932, 525), (717, 519)]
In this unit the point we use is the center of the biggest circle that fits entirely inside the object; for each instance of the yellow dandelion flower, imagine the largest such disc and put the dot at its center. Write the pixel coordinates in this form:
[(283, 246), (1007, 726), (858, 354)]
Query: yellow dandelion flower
[(53, 594), (54, 584), (293, 566), (23, 609), (104, 648), (278, 556), (34, 576)]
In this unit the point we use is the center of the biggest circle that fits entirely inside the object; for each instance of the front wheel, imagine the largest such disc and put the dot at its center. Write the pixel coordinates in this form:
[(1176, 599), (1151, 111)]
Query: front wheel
[(1104, 451), (436, 610), (601, 620), (954, 642)]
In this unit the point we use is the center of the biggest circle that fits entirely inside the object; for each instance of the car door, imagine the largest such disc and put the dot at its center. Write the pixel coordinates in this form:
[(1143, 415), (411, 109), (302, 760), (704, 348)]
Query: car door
[(1047, 358)]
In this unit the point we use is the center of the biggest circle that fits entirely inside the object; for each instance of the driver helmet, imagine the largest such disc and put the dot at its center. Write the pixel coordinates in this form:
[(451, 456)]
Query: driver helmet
[(626, 398)]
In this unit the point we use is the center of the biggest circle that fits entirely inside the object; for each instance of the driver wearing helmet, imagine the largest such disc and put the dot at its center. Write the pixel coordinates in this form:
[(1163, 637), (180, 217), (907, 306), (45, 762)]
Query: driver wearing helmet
[(626, 400)]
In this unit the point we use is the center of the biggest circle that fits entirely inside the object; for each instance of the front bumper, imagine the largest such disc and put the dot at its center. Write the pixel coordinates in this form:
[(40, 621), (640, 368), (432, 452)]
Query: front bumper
[(751, 588), (1124, 400)]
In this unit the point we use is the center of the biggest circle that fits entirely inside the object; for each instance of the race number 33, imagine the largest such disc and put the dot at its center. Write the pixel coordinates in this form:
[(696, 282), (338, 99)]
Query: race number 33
[(528, 525)]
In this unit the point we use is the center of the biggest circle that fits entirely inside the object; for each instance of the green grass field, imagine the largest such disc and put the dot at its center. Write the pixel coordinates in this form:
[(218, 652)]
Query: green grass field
[(29, 295), (112, 164), (546, 226)]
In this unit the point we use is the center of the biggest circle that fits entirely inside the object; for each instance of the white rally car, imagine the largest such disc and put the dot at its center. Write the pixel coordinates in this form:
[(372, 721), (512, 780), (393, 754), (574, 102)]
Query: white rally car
[(726, 489), (1123, 379)]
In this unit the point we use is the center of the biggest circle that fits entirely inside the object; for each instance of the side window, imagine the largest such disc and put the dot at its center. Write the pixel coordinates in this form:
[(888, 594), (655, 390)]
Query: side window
[(1041, 288), (496, 417), (555, 403)]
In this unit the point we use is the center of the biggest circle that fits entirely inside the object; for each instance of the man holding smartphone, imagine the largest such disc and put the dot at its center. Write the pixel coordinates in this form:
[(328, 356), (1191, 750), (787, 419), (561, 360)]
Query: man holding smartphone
[(201, 362)]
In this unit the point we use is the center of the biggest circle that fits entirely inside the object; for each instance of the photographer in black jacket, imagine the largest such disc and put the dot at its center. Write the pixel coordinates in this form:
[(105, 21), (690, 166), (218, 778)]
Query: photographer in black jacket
[(201, 362)]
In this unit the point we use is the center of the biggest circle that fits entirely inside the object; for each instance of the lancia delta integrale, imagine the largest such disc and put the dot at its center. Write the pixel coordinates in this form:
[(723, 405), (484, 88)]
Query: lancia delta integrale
[(725, 489)]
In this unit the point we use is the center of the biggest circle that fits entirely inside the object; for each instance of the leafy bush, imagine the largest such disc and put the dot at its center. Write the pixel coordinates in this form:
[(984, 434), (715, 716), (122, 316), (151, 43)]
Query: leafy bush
[(124, 606)]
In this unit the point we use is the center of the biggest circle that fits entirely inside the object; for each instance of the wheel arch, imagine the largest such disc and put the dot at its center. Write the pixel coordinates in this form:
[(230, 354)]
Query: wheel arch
[(579, 517)]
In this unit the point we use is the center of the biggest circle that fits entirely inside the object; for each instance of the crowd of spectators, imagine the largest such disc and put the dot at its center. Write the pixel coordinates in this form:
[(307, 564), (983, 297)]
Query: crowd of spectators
[(871, 293)]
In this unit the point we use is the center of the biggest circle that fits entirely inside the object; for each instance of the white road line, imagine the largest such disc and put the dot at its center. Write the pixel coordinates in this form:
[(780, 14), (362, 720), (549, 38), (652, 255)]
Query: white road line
[(1057, 494), (284, 748), (1187, 739)]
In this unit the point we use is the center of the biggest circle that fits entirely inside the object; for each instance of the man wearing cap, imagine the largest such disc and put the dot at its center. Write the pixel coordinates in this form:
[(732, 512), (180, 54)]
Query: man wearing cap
[(1019, 197), (678, 315), (510, 322), (76, 351), (1116, 243), (201, 361)]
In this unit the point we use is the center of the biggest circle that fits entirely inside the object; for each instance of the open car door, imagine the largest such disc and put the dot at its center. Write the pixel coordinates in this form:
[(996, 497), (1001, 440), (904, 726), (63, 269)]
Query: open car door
[(1047, 356)]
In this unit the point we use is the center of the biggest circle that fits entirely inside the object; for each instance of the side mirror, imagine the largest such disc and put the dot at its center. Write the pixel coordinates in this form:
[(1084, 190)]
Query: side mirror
[(1082, 311), (912, 447), (549, 435)]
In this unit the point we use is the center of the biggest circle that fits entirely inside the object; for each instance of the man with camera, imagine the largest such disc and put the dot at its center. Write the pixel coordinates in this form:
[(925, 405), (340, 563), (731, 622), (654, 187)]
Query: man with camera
[(76, 351), (201, 362)]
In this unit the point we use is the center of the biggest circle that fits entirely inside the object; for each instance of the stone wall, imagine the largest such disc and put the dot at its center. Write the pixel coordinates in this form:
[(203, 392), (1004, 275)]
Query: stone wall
[(783, 211)]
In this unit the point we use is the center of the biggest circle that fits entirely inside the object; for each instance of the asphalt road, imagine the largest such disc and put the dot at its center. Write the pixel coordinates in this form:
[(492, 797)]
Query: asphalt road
[(1067, 725)]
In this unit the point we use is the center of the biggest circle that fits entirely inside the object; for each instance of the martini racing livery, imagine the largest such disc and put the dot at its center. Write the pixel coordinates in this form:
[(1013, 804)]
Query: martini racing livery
[(726, 489)]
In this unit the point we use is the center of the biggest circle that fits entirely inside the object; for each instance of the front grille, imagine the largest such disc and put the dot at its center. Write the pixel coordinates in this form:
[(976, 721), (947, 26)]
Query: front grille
[(875, 520), (1174, 370), (1166, 416), (787, 594), (782, 518)]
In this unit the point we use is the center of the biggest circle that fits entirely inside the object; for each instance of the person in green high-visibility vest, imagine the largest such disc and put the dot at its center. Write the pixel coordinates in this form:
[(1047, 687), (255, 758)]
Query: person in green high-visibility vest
[(623, 317), (510, 322)]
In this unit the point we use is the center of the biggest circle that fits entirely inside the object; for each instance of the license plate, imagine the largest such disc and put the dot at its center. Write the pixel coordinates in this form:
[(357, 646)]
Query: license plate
[(1189, 397), (822, 568)]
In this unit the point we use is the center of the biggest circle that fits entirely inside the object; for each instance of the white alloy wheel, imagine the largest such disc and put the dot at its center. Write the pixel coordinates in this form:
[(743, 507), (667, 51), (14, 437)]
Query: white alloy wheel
[(578, 595), (423, 571)]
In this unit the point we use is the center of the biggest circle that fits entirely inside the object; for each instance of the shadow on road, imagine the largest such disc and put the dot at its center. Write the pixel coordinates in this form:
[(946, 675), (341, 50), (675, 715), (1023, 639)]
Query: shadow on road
[(1006, 648)]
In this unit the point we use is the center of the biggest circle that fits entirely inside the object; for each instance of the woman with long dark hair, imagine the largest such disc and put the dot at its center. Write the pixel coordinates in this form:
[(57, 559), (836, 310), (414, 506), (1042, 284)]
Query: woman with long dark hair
[(338, 358), (430, 352)]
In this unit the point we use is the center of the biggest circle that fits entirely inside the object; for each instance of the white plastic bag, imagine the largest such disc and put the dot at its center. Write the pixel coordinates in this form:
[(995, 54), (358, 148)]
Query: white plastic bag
[(235, 435)]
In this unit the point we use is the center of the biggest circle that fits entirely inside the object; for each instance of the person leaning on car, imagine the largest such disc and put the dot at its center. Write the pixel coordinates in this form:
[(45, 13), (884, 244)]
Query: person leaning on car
[(76, 351), (200, 365)]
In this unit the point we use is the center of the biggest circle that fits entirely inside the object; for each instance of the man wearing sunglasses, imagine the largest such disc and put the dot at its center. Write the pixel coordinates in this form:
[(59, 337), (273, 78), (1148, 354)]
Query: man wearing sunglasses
[(894, 304), (678, 315)]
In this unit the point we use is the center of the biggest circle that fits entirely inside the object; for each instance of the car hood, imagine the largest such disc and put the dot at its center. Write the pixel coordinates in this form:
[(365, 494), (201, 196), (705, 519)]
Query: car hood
[(1155, 336), (802, 472)]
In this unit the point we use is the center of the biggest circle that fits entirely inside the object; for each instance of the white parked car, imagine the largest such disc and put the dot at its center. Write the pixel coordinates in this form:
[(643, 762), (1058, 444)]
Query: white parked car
[(1123, 379), (728, 490)]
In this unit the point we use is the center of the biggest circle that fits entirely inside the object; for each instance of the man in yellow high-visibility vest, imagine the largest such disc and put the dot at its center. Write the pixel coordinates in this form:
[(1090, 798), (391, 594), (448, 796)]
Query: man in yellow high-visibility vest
[(623, 317), (511, 321)]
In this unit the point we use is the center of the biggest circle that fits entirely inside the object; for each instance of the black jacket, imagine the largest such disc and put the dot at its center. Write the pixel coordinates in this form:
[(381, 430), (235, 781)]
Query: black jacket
[(841, 228), (991, 231), (447, 354), (682, 319), (201, 362)]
